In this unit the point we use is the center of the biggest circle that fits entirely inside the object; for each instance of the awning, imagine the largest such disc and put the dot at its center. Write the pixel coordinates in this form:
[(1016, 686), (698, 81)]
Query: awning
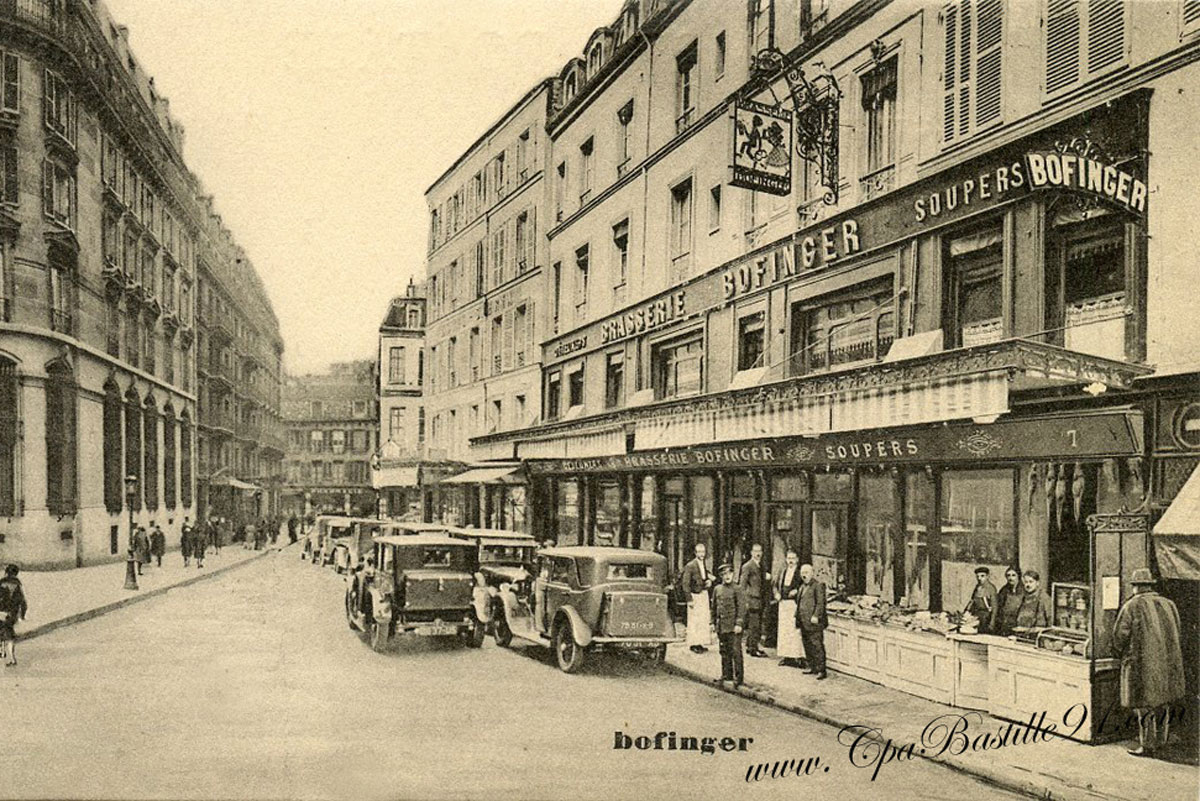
[(575, 446), (1177, 533), (395, 477), (236, 483), (509, 474)]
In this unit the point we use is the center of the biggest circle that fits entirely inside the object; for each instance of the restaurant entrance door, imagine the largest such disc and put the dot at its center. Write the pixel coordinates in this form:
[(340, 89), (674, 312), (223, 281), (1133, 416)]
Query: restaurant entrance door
[(817, 532)]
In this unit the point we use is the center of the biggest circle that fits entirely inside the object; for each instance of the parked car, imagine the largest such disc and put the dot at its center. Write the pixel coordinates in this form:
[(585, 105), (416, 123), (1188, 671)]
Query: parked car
[(501, 558), (349, 551), (335, 528), (589, 598), (316, 537), (403, 528), (417, 583)]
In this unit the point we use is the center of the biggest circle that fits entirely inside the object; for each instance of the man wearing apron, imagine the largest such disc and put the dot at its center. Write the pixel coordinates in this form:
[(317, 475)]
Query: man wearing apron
[(696, 583), (790, 649)]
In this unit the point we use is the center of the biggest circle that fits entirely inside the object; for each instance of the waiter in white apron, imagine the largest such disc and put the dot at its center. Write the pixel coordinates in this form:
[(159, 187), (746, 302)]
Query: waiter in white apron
[(697, 582), (789, 647)]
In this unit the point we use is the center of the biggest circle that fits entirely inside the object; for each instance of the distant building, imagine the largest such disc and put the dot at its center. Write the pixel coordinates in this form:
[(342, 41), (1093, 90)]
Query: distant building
[(332, 431)]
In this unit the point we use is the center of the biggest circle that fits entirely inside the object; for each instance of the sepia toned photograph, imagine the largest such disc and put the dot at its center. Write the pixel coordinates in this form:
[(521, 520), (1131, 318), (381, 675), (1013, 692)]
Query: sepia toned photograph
[(599, 399)]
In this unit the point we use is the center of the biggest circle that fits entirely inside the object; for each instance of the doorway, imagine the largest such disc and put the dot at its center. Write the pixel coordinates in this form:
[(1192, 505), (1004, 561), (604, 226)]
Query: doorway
[(741, 531), (817, 532)]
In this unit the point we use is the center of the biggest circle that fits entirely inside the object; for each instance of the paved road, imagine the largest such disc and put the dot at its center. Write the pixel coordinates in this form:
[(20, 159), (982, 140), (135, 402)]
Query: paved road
[(252, 686)]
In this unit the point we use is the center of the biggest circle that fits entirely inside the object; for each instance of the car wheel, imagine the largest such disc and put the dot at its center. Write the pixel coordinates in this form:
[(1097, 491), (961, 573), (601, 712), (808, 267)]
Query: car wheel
[(566, 650), (379, 636), (476, 634), (658, 655), (501, 633)]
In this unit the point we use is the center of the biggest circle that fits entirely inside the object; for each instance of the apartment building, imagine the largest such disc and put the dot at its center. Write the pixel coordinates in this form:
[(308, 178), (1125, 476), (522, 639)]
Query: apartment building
[(104, 238)]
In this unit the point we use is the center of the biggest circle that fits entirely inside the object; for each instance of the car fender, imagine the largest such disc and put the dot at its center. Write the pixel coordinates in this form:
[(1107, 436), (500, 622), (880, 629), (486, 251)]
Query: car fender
[(481, 599), (381, 605), (580, 630)]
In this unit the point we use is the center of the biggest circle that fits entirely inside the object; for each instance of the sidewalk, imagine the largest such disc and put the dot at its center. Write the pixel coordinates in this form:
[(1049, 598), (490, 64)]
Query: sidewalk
[(1053, 769), (62, 597)]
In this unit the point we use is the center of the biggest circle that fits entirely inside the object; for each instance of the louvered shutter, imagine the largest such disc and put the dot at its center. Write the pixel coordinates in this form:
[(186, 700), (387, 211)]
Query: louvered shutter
[(509, 327), (531, 343), (48, 188), (1106, 34), (1191, 12), (531, 239), (10, 175), (989, 42), (950, 73), (973, 32), (1084, 38)]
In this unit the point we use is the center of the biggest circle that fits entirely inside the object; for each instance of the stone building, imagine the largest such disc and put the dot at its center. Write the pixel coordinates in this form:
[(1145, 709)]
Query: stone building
[(332, 427), (106, 239)]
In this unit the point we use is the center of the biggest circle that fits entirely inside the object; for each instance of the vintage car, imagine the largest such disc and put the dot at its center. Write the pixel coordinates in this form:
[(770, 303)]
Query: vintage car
[(316, 537), (588, 598), (335, 529), (501, 558), (417, 583), (351, 550), (403, 528)]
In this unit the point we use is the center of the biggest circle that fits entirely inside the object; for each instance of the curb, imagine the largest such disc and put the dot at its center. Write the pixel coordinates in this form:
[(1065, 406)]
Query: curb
[(88, 614), (1026, 787)]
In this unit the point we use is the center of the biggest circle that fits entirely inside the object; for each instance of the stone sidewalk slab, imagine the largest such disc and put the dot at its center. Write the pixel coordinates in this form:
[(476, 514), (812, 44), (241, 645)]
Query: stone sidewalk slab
[(1055, 768), (60, 598)]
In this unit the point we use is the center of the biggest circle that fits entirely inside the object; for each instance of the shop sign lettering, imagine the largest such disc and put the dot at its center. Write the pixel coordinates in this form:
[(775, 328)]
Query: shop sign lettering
[(1050, 170), (876, 449), (992, 185), (648, 316), (815, 250), (570, 346)]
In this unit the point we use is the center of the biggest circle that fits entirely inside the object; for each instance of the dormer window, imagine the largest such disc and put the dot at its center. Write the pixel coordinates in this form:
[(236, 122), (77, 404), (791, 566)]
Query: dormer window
[(570, 86), (595, 59)]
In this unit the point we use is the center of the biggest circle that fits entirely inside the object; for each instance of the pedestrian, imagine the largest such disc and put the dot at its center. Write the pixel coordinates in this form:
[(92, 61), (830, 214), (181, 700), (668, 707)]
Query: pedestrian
[(12, 607), (217, 533), (730, 608), (158, 543), (811, 620), (788, 644), (187, 541), (696, 584), (291, 524), (1034, 611), (141, 548), (274, 530), (754, 580), (983, 599), (199, 546), (1146, 637), (1008, 603)]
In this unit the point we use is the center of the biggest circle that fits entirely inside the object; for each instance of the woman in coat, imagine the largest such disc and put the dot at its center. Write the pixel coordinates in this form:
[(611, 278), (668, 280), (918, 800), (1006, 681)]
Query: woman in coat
[(12, 607), (1008, 603), (141, 548)]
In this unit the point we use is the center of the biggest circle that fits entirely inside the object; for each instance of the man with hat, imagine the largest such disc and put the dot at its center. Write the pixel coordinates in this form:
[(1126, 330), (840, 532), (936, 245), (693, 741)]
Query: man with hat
[(730, 608), (983, 599), (1146, 636)]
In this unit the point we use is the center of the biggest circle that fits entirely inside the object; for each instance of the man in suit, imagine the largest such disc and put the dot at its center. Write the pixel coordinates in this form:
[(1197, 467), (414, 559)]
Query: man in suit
[(811, 620), (754, 582), (696, 585), (730, 609)]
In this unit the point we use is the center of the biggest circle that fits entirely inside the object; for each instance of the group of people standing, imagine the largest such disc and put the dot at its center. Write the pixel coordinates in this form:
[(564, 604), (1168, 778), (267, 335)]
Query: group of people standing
[(1020, 605), (734, 609), (194, 542)]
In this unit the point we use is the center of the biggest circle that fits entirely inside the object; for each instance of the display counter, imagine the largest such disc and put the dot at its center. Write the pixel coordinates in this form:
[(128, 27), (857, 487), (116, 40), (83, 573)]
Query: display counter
[(1006, 678)]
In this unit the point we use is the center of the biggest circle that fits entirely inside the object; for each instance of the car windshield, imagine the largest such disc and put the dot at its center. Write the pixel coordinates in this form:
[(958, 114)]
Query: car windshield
[(338, 533), (630, 571), (504, 553), (436, 557)]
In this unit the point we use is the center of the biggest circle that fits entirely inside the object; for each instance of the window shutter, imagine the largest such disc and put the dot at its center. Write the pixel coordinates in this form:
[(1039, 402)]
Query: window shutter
[(12, 82), (964, 68), (1106, 34), (988, 56), (509, 328), (531, 239), (531, 343), (10, 175), (1191, 12), (48, 188), (47, 98)]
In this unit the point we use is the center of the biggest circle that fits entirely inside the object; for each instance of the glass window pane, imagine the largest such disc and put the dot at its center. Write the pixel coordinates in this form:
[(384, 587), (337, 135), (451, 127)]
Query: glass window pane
[(829, 545), (918, 508), (833, 487), (608, 512), (876, 527), (568, 512), (977, 528), (649, 517), (789, 488), (703, 518)]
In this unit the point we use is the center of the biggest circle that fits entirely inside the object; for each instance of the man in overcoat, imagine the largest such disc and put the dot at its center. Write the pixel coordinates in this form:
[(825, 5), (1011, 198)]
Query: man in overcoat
[(730, 608), (754, 581), (158, 543), (141, 548), (812, 620), (1146, 636)]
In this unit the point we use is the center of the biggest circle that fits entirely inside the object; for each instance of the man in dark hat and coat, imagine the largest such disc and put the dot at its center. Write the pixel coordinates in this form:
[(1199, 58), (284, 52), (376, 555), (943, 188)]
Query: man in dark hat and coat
[(1146, 636), (983, 599), (812, 620), (730, 608)]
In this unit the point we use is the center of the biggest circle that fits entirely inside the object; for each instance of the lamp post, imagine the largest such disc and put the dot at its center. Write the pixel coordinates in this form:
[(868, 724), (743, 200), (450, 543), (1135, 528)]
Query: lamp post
[(131, 485)]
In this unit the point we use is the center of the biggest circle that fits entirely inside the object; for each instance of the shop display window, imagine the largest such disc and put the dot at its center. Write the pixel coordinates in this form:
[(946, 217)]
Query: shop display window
[(648, 521), (918, 508), (703, 512), (568, 512), (1072, 606), (608, 512), (843, 330), (829, 544), (833, 487), (876, 519), (977, 529), (789, 488), (1086, 285)]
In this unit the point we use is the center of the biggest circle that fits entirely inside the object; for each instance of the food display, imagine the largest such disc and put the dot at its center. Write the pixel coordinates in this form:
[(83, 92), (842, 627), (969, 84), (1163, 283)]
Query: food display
[(1072, 607), (877, 610), (1068, 642)]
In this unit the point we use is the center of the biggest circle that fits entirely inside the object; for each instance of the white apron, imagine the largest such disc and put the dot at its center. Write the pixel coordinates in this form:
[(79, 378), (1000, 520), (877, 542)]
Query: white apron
[(699, 623), (788, 644)]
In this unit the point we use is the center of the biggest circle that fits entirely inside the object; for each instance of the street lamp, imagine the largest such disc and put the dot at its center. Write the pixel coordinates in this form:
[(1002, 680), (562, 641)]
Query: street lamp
[(131, 486)]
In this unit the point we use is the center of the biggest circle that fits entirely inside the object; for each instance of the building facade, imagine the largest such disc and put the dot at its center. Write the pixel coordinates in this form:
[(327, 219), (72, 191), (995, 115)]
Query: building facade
[(103, 234), (907, 309), (332, 431), (485, 274)]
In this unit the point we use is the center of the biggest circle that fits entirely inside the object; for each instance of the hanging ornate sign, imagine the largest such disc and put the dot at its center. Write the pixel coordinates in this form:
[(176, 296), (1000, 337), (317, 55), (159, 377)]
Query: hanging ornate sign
[(762, 148)]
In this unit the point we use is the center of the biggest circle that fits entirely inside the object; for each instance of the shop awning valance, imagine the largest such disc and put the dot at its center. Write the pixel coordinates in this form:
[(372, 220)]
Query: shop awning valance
[(508, 474), (236, 483), (1177, 533), (395, 477)]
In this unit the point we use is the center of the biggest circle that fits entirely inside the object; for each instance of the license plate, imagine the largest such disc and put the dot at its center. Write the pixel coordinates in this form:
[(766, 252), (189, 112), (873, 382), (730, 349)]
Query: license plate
[(438, 630)]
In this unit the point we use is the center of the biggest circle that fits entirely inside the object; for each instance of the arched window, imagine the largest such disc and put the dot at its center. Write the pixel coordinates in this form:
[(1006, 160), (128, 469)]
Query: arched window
[(113, 480), (595, 59), (133, 444), (150, 449), (169, 470), (569, 87), (8, 438), (60, 440), (185, 459)]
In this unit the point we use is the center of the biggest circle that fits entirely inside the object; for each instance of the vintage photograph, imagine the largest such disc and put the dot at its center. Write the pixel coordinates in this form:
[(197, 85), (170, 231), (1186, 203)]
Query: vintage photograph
[(599, 399)]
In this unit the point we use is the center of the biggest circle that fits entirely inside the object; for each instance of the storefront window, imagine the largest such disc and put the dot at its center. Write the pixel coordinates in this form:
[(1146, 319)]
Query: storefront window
[(854, 327), (918, 512), (568, 512), (703, 506), (977, 528), (608, 512), (829, 544), (789, 488), (677, 367), (516, 509), (833, 487), (1087, 261), (974, 293), (648, 526), (876, 529)]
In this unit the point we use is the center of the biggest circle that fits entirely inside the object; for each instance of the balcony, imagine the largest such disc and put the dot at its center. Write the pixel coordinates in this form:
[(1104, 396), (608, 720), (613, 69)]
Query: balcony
[(877, 183), (46, 14)]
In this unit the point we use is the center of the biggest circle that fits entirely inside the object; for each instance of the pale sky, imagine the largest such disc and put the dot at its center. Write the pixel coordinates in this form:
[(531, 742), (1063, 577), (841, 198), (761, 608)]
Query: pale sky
[(318, 125)]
